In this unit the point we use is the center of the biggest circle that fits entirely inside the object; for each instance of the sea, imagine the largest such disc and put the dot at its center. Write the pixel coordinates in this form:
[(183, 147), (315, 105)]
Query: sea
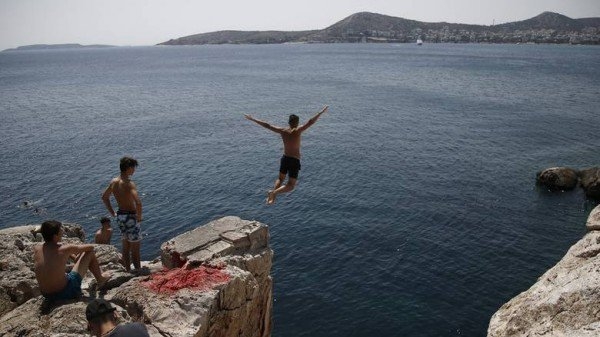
[(416, 211)]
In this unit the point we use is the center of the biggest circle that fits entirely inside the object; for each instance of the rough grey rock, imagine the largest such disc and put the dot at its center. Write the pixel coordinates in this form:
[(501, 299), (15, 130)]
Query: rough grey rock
[(240, 305), (558, 178), (565, 301), (590, 182), (225, 236), (593, 221)]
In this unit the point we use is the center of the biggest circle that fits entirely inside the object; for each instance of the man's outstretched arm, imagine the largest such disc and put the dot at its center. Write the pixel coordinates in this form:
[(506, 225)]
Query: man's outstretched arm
[(313, 119), (264, 124)]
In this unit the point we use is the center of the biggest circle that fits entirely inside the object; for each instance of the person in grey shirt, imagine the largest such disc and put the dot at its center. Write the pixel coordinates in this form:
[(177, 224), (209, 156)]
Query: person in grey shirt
[(102, 321)]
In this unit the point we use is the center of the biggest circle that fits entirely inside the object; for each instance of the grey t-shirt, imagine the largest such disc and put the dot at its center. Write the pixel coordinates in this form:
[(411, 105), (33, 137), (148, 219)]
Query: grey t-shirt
[(135, 329)]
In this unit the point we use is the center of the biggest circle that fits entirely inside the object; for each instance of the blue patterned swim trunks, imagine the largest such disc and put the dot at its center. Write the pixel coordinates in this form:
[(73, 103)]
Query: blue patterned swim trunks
[(130, 229), (71, 291)]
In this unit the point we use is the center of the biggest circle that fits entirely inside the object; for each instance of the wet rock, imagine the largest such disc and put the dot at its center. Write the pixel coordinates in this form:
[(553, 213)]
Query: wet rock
[(593, 221), (590, 182), (558, 178)]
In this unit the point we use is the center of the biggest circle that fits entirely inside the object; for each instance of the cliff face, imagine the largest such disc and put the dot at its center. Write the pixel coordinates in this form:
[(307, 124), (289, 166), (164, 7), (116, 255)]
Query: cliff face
[(565, 301), (225, 288)]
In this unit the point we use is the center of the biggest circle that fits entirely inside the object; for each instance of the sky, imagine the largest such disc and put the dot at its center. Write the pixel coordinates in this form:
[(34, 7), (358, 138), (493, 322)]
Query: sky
[(148, 22)]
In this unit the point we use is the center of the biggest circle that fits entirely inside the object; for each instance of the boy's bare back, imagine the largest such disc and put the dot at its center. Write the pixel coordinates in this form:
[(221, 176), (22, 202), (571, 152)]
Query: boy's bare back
[(291, 142), (50, 261)]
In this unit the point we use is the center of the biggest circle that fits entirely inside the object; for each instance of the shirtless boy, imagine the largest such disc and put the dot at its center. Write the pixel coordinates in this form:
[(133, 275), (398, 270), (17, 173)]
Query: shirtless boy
[(129, 214), (50, 260), (290, 162), (104, 234)]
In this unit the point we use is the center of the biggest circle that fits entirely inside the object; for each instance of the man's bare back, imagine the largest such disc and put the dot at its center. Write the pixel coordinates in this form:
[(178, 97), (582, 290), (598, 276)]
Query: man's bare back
[(292, 139), (50, 261)]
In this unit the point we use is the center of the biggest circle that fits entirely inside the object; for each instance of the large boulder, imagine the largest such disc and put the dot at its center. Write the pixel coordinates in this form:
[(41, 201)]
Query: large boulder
[(590, 182), (558, 178), (593, 221), (225, 293), (564, 302)]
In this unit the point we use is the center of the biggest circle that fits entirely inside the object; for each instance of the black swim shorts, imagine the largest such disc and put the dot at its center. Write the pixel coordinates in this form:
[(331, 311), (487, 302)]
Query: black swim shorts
[(290, 166)]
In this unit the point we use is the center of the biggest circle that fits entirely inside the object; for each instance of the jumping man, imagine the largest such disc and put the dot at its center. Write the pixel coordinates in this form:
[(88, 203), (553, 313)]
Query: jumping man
[(290, 162)]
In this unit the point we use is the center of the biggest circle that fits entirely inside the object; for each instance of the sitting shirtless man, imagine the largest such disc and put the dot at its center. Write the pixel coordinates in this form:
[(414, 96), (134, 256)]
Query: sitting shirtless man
[(50, 260)]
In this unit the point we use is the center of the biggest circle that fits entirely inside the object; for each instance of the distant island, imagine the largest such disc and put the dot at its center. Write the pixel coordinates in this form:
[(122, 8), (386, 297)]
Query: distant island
[(57, 46), (547, 27)]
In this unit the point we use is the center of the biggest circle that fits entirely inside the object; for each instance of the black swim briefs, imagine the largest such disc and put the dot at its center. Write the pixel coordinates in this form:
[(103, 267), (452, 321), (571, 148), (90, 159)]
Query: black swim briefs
[(290, 166)]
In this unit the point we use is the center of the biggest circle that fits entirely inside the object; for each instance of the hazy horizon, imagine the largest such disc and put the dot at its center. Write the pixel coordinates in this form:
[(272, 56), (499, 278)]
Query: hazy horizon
[(141, 23)]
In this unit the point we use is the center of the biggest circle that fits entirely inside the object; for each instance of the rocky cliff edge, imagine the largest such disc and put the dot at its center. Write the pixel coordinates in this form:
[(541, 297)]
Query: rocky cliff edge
[(225, 288), (565, 301)]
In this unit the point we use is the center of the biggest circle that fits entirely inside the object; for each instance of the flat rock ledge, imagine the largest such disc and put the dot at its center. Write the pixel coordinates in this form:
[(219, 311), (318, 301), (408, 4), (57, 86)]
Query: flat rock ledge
[(211, 281), (565, 301)]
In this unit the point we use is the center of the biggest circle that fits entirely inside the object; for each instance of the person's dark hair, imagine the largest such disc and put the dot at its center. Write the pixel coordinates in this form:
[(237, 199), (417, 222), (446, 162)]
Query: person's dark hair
[(99, 311), (293, 121), (49, 229), (127, 162), (104, 220)]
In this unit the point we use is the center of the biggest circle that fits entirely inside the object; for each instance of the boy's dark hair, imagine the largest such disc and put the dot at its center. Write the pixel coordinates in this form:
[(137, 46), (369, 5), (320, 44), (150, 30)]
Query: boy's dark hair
[(127, 162), (99, 311), (293, 121), (49, 229), (104, 220)]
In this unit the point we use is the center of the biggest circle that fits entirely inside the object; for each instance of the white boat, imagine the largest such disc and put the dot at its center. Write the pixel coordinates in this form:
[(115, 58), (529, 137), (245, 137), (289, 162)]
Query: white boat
[(419, 42)]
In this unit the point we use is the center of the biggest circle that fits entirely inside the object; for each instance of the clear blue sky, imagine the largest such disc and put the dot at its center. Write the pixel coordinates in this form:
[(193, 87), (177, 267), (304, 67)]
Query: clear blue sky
[(148, 22)]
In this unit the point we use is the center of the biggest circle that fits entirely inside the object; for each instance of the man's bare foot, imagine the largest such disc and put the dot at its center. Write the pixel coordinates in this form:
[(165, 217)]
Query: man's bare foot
[(270, 197)]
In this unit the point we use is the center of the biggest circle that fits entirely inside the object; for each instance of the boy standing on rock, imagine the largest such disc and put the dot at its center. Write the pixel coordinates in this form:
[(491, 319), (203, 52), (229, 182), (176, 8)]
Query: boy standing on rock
[(129, 214), (290, 162), (50, 261)]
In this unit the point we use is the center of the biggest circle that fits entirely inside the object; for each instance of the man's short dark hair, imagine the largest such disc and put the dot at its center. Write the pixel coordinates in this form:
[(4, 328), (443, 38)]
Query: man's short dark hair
[(104, 220), (127, 162), (49, 229), (99, 311), (293, 121)]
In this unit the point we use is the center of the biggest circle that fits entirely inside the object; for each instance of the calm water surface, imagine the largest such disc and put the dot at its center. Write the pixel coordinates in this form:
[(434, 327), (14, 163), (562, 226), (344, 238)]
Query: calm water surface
[(416, 212)]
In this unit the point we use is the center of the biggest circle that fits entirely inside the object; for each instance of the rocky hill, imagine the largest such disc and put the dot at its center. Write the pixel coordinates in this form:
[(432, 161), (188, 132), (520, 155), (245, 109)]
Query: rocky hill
[(547, 27)]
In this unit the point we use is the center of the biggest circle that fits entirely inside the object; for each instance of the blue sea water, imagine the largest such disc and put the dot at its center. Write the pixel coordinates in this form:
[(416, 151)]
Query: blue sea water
[(416, 212)]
